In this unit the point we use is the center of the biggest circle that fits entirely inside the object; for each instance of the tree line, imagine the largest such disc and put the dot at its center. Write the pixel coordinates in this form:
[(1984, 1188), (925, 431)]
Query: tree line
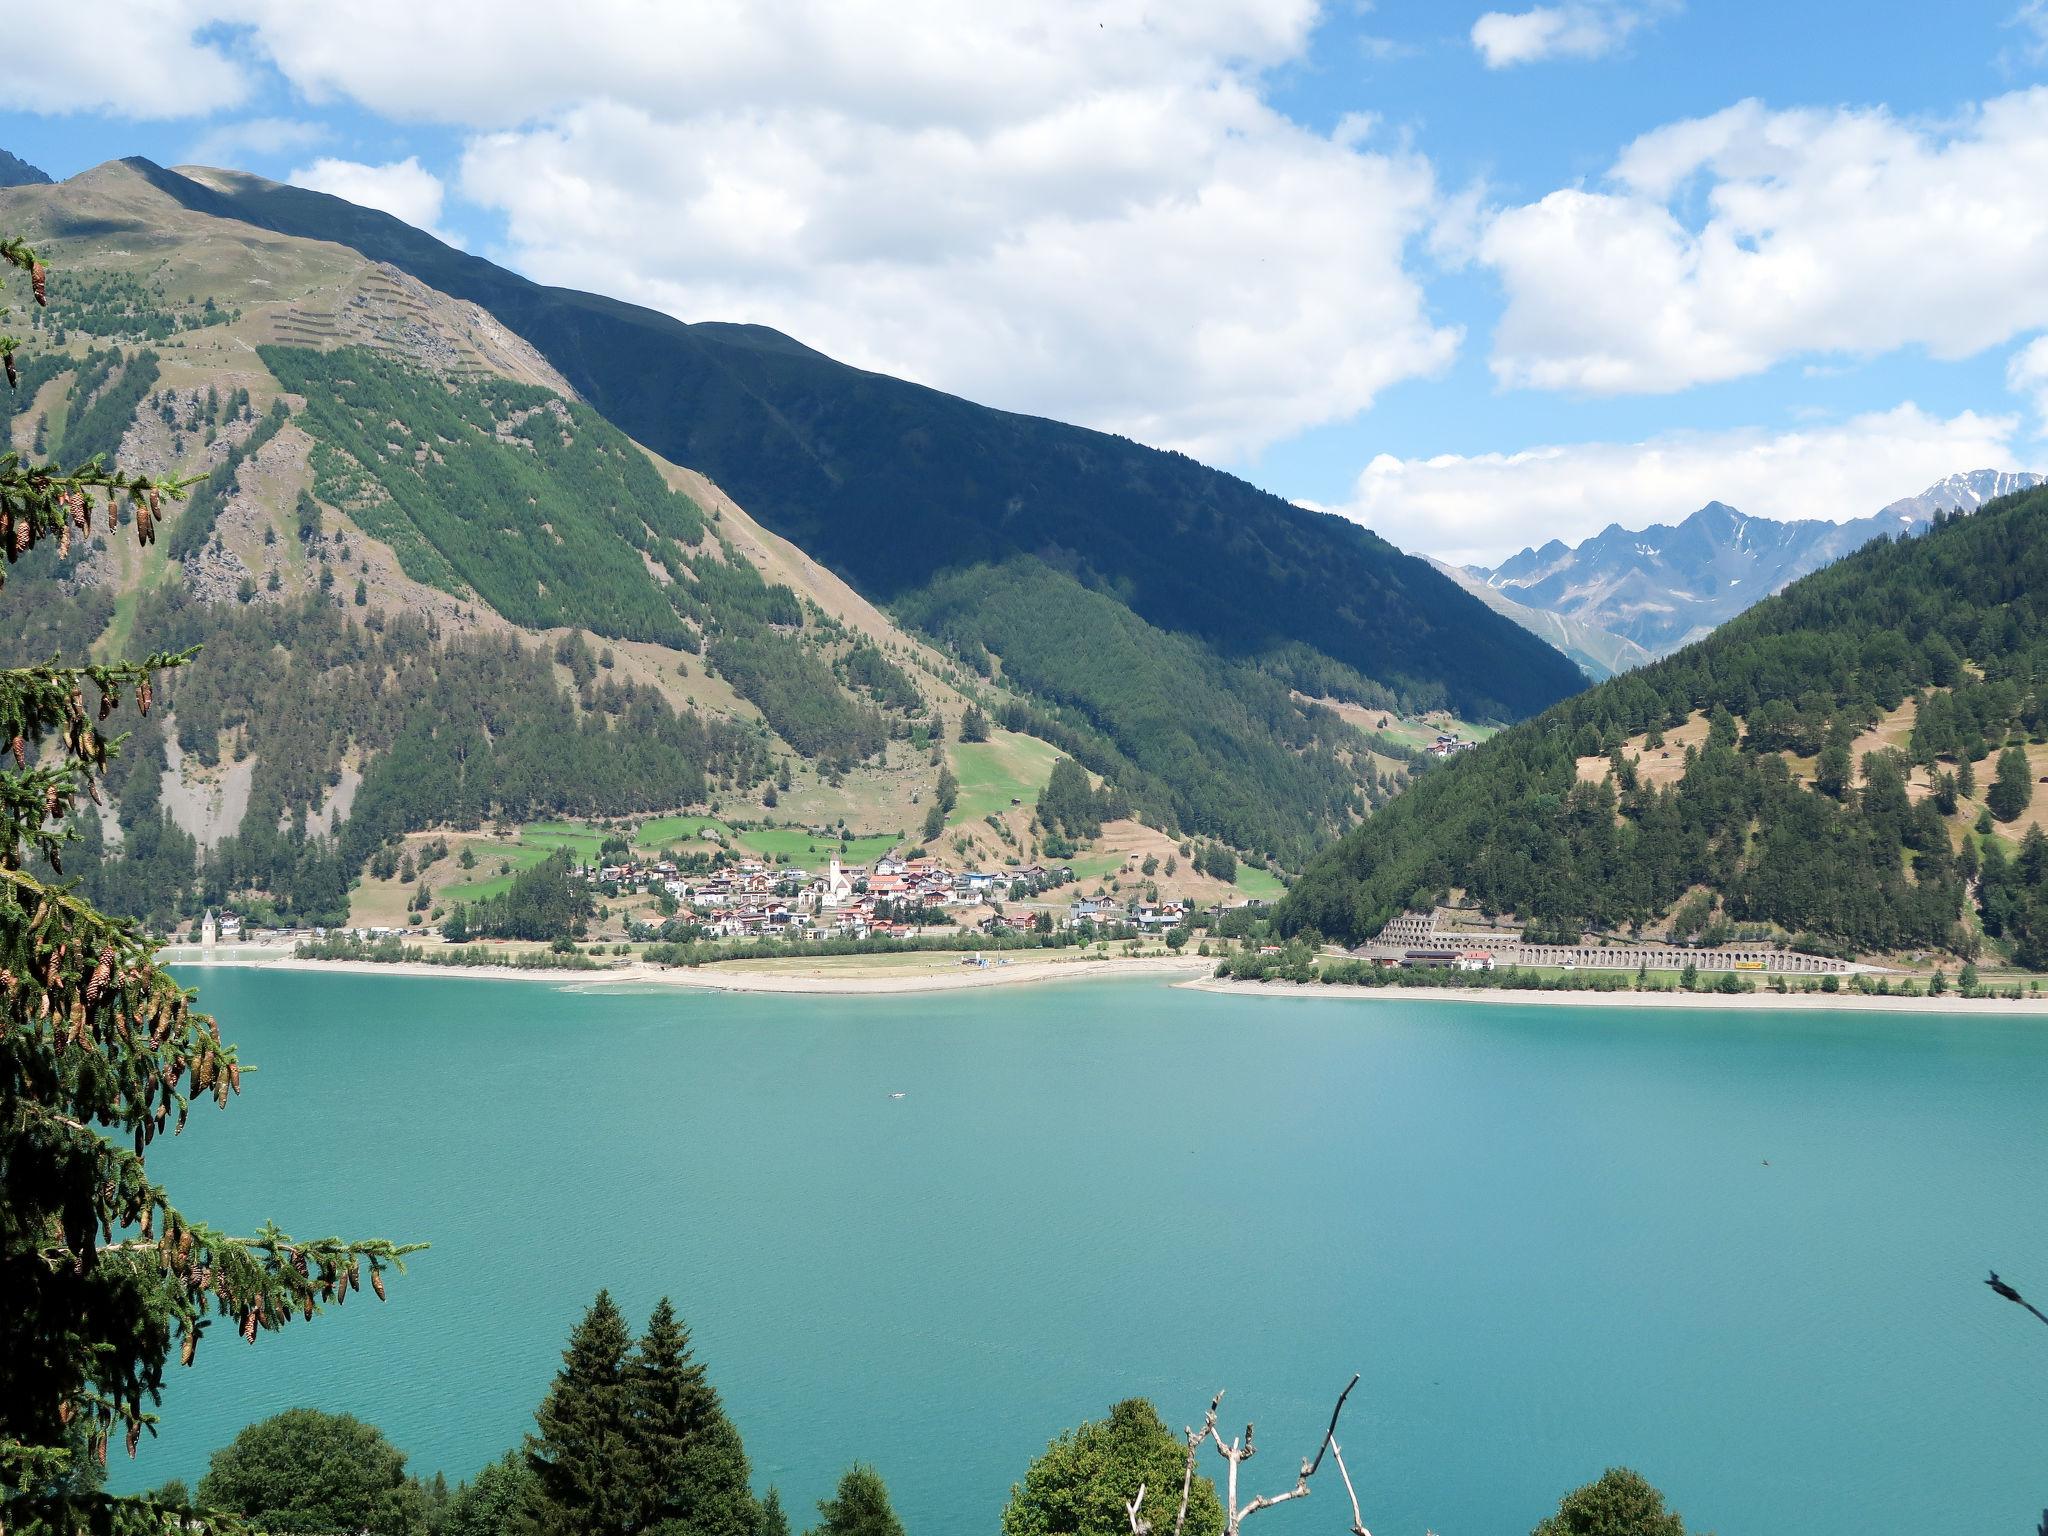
[(1951, 619), (632, 1439)]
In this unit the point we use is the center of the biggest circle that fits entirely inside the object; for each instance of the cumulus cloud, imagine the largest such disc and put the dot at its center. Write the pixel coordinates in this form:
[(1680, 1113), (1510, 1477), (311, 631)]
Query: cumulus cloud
[(405, 189), (1576, 31), (1847, 231), (143, 61), (1480, 508), (486, 63), (1083, 212), (2026, 374), (1179, 264)]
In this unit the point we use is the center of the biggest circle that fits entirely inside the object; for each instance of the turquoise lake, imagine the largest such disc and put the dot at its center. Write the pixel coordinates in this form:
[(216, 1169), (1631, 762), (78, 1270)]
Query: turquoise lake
[(1549, 1238)]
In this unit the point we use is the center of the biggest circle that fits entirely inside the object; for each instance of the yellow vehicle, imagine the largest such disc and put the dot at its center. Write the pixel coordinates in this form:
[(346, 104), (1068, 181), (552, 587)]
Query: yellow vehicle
[(1750, 965)]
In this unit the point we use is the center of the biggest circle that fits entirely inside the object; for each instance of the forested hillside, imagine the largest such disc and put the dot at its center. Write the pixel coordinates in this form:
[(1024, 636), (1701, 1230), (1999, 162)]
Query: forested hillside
[(893, 484), (431, 588), (1859, 769), (1210, 746), (399, 508), (451, 731)]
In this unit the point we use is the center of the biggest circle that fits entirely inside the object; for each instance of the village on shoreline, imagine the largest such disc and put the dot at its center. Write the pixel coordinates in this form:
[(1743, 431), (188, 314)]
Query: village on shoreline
[(913, 924)]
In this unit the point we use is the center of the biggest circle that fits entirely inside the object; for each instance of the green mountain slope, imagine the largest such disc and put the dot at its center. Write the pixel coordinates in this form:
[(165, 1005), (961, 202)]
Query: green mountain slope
[(433, 588), (1203, 746), (892, 484), (1843, 745)]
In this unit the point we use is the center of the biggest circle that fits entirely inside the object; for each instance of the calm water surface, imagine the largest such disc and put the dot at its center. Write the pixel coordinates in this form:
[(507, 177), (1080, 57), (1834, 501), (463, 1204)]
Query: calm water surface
[(1548, 1237)]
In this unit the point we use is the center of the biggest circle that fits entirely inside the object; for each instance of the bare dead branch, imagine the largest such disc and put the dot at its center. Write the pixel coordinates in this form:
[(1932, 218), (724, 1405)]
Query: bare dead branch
[(1237, 1452), (1330, 1434), (1139, 1525), (1187, 1477), (1337, 1455)]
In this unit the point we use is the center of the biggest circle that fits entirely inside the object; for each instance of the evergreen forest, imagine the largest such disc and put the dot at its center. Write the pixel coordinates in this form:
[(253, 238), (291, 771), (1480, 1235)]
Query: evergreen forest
[(1777, 819)]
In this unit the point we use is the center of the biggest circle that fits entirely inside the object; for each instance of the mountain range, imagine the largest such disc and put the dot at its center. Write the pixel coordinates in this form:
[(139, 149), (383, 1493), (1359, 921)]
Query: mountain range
[(892, 483), (467, 549), (1852, 764), (1662, 587)]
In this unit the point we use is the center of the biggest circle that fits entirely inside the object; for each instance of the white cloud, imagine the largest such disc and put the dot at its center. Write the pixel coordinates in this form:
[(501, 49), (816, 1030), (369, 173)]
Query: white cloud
[(486, 63), (1088, 212), (1575, 31), (2026, 373), (1483, 507), (124, 59), (229, 144), (405, 189), (1837, 232), (1179, 264)]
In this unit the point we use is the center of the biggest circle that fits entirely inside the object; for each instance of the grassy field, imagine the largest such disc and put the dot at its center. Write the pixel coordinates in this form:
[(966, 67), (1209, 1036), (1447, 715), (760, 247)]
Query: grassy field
[(804, 848), (798, 844), (578, 839), (992, 773), (484, 881), (1262, 883), (678, 831)]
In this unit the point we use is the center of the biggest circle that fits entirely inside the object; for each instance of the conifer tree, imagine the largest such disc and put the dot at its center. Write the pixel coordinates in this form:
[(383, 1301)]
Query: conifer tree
[(586, 1477), (773, 1521), (691, 1462), (859, 1508), (100, 1053), (2013, 790)]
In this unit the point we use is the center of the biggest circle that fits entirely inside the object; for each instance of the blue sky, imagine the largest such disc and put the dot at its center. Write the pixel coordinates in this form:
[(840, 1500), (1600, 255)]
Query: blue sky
[(1474, 276)]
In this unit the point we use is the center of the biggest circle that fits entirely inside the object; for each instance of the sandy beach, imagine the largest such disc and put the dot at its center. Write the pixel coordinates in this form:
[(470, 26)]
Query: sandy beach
[(941, 971), (929, 971), (1836, 1002)]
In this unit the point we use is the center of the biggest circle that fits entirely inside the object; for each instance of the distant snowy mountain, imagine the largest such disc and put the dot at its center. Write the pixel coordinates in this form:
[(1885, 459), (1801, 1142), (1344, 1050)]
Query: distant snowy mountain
[(1663, 587)]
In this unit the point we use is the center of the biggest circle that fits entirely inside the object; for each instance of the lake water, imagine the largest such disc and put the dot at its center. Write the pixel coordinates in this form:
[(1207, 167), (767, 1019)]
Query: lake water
[(1547, 1237)]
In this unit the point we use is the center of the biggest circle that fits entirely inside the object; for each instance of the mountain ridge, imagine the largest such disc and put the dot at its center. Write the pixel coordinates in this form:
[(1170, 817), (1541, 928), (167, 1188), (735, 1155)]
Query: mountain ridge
[(827, 455), (1666, 585), (1850, 766)]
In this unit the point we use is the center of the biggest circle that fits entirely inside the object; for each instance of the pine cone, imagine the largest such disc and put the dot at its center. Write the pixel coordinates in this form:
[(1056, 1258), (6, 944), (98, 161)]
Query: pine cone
[(38, 281), (377, 1281), (100, 973), (13, 378), (20, 746), (189, 1347), (143, 694), (134, 1437)]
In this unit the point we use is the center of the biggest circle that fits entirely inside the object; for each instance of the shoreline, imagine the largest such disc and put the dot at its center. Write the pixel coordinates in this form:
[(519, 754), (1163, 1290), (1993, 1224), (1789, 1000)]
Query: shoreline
[(1841, 1002), (817, 980)]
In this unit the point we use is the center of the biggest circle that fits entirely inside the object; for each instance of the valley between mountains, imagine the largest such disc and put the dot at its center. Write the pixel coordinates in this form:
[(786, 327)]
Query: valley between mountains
[(528, 614)]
